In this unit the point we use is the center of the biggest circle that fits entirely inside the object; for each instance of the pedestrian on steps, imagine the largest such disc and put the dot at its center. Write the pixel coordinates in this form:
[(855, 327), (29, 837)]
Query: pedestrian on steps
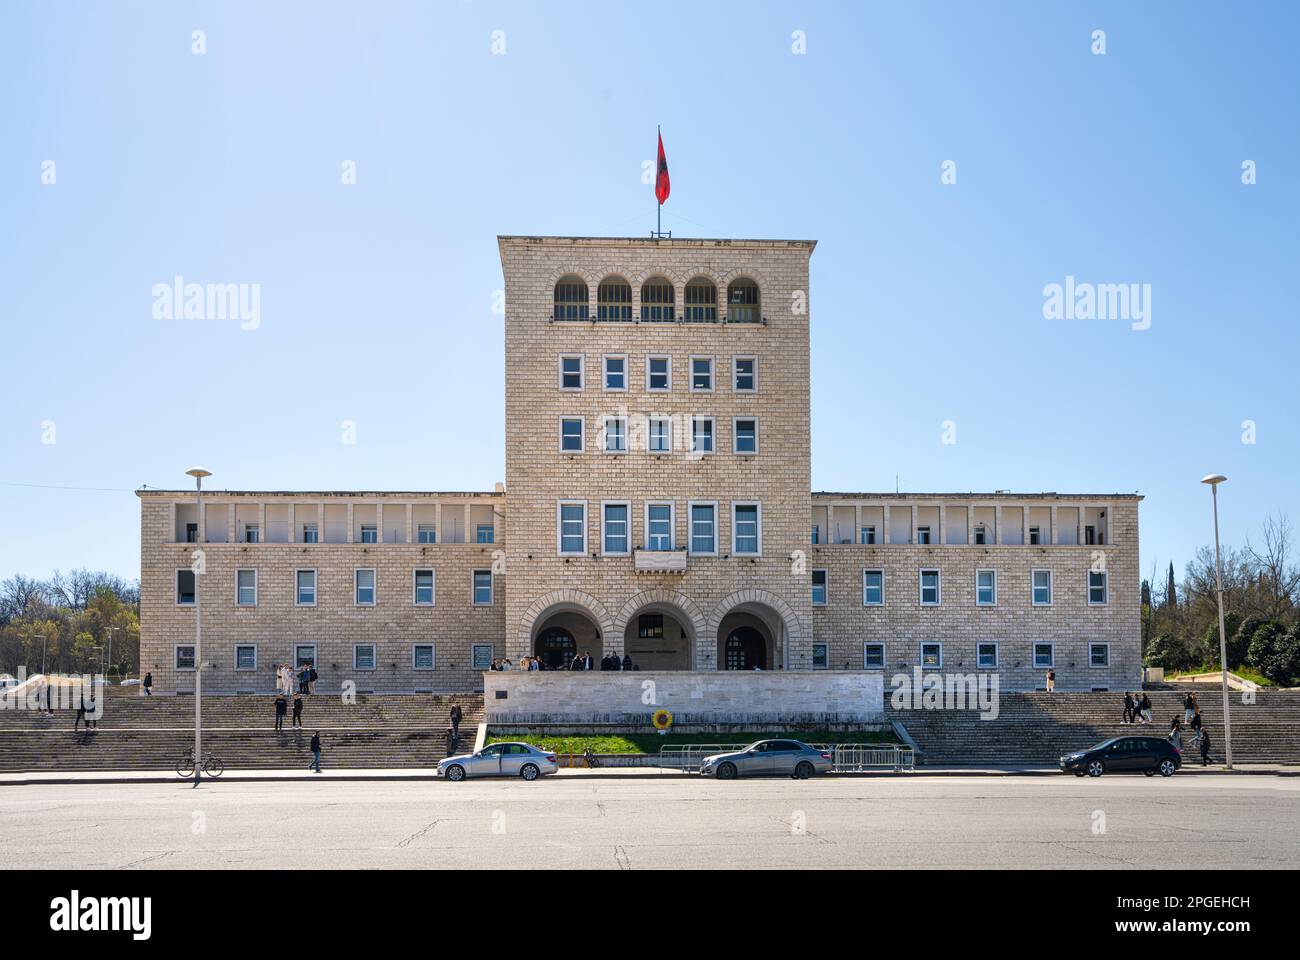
[(281, 708), (1205, 748), (148, 684), (1144, 709), (455, 716), (297, 710), (312, 677), (1129, 707), (1189, 708), (1051, 680), (315, 752), (1176, 734)]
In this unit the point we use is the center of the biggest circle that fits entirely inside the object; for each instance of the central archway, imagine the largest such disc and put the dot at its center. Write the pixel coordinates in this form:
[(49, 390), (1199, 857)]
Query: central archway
[(745, 649), (555, 647), (755, 629)]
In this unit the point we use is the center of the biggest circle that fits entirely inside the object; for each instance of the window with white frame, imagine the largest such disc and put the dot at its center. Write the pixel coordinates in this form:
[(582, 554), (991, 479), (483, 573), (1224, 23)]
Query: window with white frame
[(873, 588), (426, 533), (923, 535), (185, 656), (185, 586), (701, 374), (869, 534), (422, 656), (246, 588), (819, 588), (485, 533), (304, 588), (1044, 655), (304, 655), (616, 373), (873, 656), (1097, 588), (252, 533), (986, 654), (981, 535), (1042, 587), (364, 593), (744, 374), (746, 529), (930, 588), (369, 533), (423, 587), (571, 435), (702, 435), (658, 374), (310, 533), (482, 655), (659, 437), (704, 528), (571, 527), (1035, 536), (363, 656), (745, 435), (571, 371), (482, 586), (932, 655), (820, 656), (245, 656), (1099, 654), (615, 430), (986, 588), (615, 523), (659, 526)]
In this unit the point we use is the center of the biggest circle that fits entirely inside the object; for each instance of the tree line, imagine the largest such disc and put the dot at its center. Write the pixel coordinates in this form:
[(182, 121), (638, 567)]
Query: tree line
[(67, 621), (1261, 602)]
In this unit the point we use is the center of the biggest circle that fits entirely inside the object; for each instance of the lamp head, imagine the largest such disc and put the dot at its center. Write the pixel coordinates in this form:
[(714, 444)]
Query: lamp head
[(1214, 479), (198, 472)]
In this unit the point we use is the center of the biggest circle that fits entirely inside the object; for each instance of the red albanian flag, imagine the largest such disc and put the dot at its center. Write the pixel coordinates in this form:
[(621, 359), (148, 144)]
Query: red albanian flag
[(662, 185)]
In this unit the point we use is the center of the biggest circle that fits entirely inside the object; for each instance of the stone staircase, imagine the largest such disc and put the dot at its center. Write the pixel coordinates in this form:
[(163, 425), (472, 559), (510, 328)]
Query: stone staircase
[(152, 733), (1040, 727)]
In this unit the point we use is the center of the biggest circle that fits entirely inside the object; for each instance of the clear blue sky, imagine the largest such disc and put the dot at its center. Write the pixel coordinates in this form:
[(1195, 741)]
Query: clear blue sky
[(376, 298)]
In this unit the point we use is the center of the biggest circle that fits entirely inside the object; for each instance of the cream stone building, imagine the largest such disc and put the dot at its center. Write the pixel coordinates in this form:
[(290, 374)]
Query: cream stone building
[(657, 504)]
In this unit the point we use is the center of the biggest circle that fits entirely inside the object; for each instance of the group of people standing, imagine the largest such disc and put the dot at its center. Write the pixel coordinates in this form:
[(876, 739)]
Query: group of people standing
[(286, 678), (580, 661), (1139, 711)]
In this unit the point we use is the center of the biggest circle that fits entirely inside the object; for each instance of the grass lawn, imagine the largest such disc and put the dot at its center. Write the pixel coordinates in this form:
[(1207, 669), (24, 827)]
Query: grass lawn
[(653, 742)]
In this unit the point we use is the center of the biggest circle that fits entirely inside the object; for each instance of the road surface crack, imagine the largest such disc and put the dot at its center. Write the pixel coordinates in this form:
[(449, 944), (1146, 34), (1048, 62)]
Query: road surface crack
[(418, 834), (621, 858)]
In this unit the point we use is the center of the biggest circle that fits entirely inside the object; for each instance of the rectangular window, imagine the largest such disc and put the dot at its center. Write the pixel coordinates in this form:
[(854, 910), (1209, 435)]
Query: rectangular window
[(185, 588), (305, 589), (701, 435), (986, 588), (482, 654), (482, 588), (981, 535), (932, 655), (1035, 536), (484, 533), (571, 518), (873, 588), (245, 656), (424, 596), (702, 374), (704, 528), (819, 588), (363, 656), (426, 533), (422, 656), (310, 533), (1044, 655), (246, 588), (365, 587), (1042, 588), (658, 374), (660, 437), (304, 655), (923, 535), (816, 534), (820, 657), (929, 588), (369, 533), (571, 435), (746, 529), (1097, 588), (650, 626), (252, 533), (185, 656), (1099, 654), (869, 534), (191, 533), (659, 526), (616, 534), (571, 372), (873, 656), (744, 376), (616, 435), (615, 373), (986, 655), (746, 435)]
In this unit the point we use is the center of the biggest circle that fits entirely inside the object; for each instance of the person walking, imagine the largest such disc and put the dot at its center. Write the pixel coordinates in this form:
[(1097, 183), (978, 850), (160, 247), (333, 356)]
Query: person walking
[(1129, 707), (1176, 734), (312, 676), (1205, 748), (304, 678), (1144, 709), (297, 711), (1051, 680), (281, 708), (1189, 708), (315, 752), (148, 684), (81, 714), (455, 716)]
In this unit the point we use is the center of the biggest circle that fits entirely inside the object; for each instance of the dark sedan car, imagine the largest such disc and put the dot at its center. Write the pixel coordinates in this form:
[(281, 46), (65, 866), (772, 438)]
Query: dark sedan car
[(1150, 755)]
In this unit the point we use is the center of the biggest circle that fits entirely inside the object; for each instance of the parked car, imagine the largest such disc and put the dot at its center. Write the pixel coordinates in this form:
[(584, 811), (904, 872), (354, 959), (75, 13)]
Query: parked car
[(768, 758), (1151, 755), (500, 760)]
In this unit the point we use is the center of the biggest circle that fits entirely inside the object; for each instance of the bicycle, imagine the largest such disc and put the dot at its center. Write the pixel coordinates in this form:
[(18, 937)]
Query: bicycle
[(592, 761), (212, 765)]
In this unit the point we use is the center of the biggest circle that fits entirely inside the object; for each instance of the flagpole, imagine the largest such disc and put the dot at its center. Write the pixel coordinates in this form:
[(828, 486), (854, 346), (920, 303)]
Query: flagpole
[(659, 207)]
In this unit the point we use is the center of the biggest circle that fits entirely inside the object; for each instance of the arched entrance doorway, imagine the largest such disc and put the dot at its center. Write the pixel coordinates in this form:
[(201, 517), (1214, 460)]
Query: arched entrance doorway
[(658, 637), (744, 649), (556, 648), (562, 634)]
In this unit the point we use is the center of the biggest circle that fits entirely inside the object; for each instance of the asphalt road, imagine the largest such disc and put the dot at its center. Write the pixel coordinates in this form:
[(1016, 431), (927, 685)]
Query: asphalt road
[(882, 822)]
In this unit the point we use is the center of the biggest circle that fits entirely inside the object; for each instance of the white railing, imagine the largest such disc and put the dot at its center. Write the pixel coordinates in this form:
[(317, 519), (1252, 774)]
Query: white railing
[(846, 757)]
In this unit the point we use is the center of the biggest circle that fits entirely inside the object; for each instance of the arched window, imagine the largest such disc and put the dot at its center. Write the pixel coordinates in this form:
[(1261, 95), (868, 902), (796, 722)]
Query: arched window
[(571, 299), (658, 299), (701, 301), (742, 302), (614, 299)]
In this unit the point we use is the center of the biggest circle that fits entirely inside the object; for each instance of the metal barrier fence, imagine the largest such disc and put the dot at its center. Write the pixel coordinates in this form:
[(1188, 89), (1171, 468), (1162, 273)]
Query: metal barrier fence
[(845, 757)]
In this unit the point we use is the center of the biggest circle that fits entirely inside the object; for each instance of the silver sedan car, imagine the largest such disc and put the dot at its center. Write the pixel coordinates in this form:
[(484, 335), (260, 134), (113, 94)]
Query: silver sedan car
[(768, 758), (500, 760)]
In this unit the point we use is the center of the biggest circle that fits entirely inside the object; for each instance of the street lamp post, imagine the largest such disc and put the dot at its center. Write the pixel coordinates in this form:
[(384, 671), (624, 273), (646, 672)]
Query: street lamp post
[(1214, 480), (198, 473), (42, 639)]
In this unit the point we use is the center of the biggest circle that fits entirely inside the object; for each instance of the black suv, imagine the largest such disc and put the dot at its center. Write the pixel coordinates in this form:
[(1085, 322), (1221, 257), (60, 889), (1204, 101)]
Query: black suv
[(1151, 755)]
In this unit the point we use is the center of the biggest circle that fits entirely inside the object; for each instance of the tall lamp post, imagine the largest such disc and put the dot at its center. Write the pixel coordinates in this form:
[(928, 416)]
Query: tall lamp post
[(1214, 480), (198, 473), (42, 639)]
